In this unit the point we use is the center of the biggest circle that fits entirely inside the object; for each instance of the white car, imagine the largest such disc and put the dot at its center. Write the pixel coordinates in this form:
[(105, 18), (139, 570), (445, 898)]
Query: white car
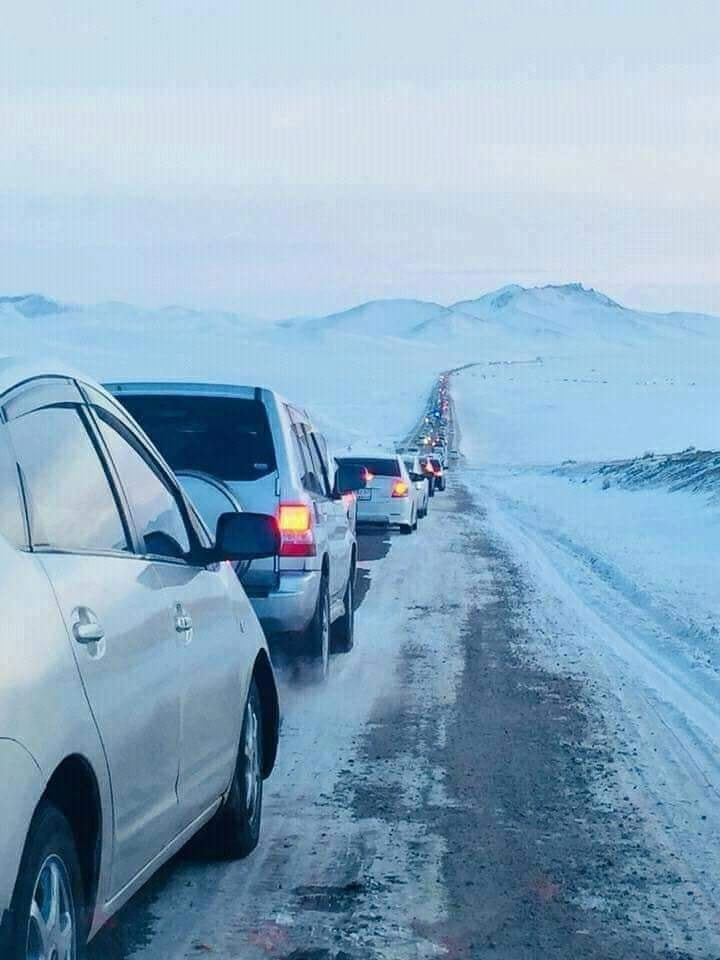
[(420, 482), (138, 703), (389, 495)]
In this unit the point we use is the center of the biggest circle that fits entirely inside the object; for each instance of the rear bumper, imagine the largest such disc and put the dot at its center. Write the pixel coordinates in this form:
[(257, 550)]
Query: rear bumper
[(289, 608), (385, 512)]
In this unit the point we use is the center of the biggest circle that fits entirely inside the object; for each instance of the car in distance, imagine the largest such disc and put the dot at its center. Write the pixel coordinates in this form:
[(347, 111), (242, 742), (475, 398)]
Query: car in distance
[(433, 467), (138, 704), (272, 457), (389, 496)]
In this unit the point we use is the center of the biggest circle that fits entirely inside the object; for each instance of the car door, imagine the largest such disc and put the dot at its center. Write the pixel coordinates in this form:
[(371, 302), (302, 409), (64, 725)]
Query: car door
[(209, 615), (339, 525), (115, 613)]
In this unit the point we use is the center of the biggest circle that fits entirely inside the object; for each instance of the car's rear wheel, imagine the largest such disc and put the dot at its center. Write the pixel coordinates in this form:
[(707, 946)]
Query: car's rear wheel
[(48, 909), (316, 643), (344, 628), (234, 831)]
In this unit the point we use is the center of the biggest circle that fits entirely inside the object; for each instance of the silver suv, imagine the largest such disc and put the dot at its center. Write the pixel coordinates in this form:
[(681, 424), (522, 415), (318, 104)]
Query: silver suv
[(137, 698), (275, 461)]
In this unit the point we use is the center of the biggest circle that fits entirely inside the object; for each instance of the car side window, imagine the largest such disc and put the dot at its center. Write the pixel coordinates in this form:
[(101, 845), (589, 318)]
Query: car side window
[(311, 475), (319, 451), (70, 500), (158, 519), (12, 522)]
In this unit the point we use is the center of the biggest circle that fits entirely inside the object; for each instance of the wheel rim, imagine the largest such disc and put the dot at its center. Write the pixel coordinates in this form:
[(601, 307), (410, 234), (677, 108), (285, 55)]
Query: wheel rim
[(252, 760), (325, 634), (51, 925)]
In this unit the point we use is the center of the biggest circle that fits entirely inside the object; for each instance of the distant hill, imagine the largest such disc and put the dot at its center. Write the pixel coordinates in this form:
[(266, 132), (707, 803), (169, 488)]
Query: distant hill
[(548, 313), (389, 318), (531, 317), (33, 305)]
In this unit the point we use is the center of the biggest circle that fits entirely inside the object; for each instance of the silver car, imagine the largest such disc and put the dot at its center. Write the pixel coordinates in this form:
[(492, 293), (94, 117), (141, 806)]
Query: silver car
[(272, 457), (389, 496), (137, 698)]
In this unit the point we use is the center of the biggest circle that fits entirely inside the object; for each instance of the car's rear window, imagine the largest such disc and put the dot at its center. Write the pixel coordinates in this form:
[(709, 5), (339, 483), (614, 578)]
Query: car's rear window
[(226, 437), (379, 467)]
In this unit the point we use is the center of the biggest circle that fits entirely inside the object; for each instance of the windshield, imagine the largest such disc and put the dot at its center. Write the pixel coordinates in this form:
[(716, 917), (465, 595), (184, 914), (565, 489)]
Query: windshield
[(226, 437), (378, 466)]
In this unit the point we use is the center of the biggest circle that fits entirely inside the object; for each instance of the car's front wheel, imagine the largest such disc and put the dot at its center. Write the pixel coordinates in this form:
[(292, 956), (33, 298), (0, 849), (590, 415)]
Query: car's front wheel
[(48, 908), (234, 831)]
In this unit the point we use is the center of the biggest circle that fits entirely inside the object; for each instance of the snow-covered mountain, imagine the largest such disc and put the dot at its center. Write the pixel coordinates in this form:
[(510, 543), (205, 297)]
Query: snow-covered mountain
[(545, 314), (603, 381), (383, 318), (536, 316)]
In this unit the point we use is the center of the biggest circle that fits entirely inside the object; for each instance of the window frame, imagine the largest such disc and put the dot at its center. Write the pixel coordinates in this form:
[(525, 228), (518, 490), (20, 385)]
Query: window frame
[(79, 409), (315, 446), (41, 393), (6, 441), (130, 435)]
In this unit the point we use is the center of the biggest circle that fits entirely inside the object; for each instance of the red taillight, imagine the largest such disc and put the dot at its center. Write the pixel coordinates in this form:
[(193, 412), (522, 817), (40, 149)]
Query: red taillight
[(438, 471), (400, 488), (295, 522)]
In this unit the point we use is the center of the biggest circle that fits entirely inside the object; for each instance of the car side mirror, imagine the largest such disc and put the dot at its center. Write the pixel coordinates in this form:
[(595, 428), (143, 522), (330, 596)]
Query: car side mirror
[(246, 536), (349, 478), (416, 477)]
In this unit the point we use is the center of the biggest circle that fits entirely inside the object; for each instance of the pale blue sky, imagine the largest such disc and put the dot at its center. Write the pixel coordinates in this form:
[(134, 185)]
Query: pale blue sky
[(283, 158)]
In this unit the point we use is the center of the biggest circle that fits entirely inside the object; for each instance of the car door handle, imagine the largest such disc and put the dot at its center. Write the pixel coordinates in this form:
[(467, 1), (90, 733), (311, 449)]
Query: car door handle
[(87, 628)]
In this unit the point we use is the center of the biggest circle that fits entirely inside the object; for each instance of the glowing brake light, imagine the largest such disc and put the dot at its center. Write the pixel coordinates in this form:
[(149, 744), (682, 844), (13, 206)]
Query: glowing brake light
[(295, 522), (294, 518), (400, 488)]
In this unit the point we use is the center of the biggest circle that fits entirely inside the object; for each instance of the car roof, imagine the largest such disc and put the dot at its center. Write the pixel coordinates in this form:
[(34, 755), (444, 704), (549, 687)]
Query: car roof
[(16, 370), (369, 455), (195, 388)]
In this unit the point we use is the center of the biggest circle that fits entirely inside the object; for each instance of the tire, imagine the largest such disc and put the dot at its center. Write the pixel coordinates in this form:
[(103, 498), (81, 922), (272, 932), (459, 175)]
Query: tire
[(316, 641), (407, 528), (49, 872), (344, 628), (234, 831)]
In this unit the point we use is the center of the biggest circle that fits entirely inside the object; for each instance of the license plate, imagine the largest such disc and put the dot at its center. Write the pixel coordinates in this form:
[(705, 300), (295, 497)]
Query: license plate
[(364, 494)]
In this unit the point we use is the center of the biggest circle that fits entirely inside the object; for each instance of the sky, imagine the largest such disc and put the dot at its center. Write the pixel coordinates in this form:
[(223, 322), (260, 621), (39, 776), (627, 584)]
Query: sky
[(285, 158)]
